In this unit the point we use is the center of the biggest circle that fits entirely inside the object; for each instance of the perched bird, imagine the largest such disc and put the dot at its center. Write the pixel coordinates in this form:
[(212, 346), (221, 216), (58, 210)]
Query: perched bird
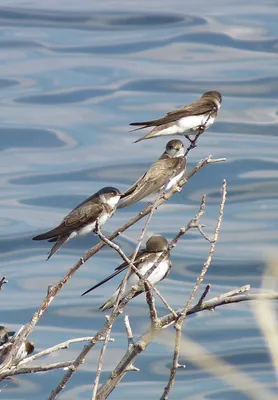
[(9, 337), (5, 335), (144, 261), (163, 174), (187, 120), (82, 219)]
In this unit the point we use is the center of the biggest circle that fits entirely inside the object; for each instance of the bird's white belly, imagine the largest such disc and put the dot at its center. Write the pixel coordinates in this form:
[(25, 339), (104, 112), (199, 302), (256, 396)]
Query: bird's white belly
[(90, 227), (154, 278), (192, 123), (174, 181)]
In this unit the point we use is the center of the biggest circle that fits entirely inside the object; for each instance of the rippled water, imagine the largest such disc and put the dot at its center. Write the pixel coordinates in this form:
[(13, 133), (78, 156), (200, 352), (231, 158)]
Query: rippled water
[(73, 75)]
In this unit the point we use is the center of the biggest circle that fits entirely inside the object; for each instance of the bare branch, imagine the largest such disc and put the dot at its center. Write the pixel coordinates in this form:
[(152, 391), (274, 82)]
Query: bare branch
[(130, 342), (34, 369), (128, 332), (150, 302), (60, 346), (181, 318), (142, 343), (100, 361)]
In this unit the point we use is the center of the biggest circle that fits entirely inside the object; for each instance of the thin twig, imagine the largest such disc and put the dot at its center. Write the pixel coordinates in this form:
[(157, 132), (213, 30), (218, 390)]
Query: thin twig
[(35, 368), (60, 346), (130, 342), (151, 302), (181, 318), (204, 295), (100, 361), (129, 333), (202, 128)]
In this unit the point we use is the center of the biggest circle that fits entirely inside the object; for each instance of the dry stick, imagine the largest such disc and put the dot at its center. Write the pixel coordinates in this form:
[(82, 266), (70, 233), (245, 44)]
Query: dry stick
[(204, 295), (60, 346), (100, 361), (35, 368), (231, 297), (129, 333), (180, 320), (142, 343), (151, 303), (129, 341)]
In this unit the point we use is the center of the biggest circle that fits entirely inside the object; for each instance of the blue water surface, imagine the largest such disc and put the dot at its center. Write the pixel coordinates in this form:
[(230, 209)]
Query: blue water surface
[(73, 75)]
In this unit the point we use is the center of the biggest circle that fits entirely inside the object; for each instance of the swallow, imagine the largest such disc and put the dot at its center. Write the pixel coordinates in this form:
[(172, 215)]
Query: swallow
[(144, 261), (25, 349), (82, 219), (188, 120), (163, 174)]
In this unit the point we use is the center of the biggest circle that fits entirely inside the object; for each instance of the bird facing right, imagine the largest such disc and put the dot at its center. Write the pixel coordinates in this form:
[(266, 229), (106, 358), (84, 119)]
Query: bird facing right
[(83, 218), (163, 174), (144, 261), (188, 120)]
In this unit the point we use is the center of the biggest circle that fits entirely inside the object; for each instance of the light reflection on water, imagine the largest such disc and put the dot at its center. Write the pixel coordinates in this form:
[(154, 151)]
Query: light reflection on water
[(71, 82)]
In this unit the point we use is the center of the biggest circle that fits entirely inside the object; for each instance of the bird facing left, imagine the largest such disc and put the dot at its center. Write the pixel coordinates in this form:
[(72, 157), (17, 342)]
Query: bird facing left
[(82, 219)]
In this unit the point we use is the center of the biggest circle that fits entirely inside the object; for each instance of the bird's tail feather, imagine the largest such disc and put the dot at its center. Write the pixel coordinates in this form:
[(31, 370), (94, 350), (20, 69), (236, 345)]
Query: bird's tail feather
[(53, 240), (138, 129), (60, 241), (110, 302)]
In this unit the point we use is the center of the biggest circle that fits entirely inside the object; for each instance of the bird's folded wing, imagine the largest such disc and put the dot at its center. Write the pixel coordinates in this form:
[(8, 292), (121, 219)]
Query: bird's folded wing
[(158, 175), (117, 271), (196, 108), (80, 216)]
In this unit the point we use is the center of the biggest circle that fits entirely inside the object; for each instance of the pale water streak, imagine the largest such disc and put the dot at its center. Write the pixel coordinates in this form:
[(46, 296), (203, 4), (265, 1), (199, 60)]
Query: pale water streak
[(73, 75)]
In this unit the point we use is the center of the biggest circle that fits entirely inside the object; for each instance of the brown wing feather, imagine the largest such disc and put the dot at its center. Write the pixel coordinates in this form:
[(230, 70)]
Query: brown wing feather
[(201, 106), (83, 214), (118, 270), (141, 255), (151, 182)]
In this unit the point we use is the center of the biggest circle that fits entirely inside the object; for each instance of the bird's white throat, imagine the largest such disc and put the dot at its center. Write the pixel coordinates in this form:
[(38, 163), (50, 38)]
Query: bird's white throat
[(112, 201)]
